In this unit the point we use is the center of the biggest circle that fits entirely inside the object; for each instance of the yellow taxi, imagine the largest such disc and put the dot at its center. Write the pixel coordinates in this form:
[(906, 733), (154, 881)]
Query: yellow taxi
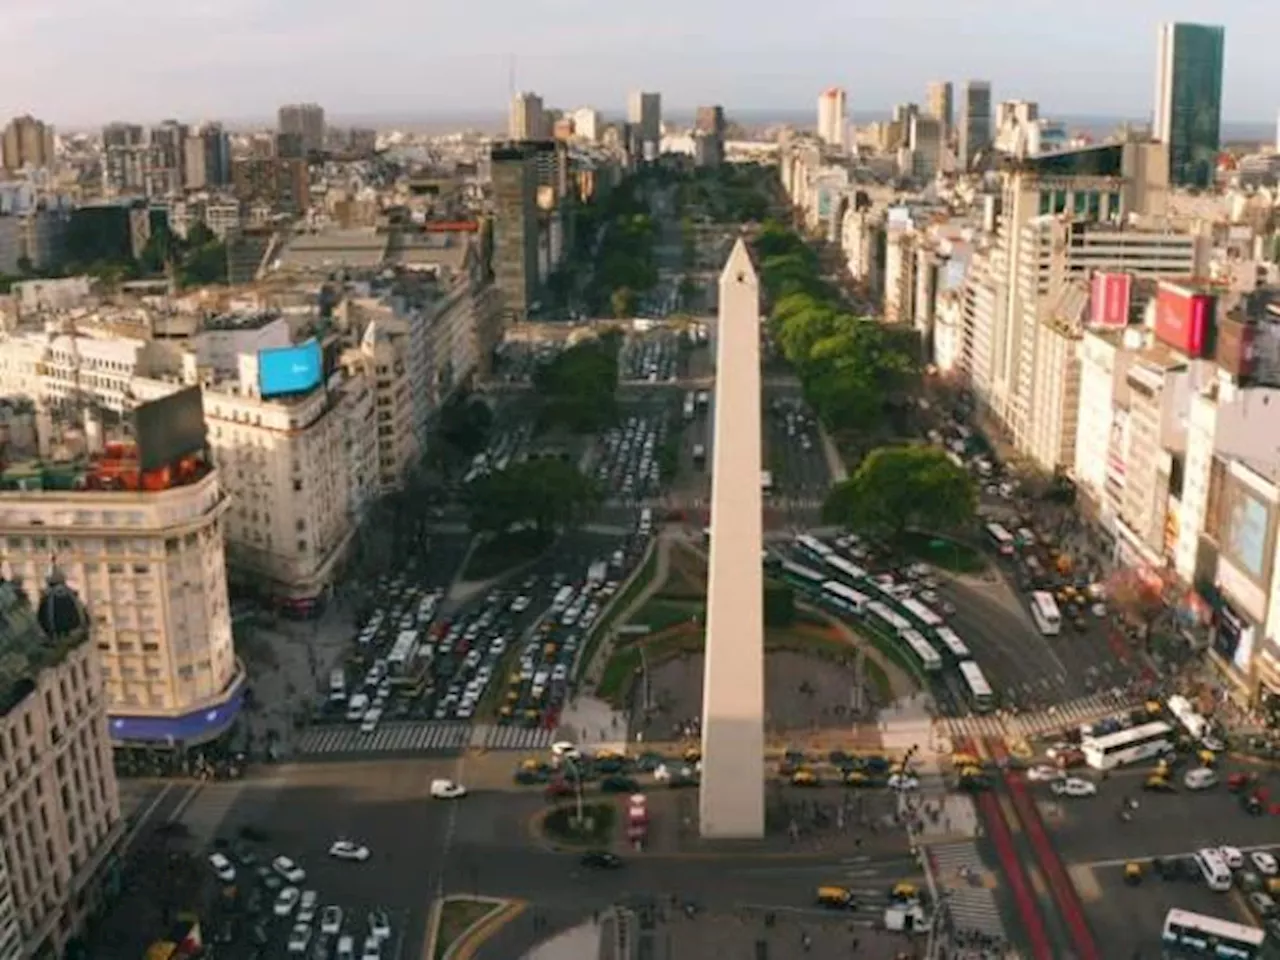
[(1133, 873), (836, 897), (805, 778)]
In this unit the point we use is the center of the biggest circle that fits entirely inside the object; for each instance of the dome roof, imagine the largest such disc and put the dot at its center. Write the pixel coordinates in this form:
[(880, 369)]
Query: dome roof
[(60, 611)]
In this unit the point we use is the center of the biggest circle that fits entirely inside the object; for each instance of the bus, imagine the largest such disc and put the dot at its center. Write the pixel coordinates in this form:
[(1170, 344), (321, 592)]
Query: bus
[(952, 643), (889, 617), (850, 571), (1185, 713), (1001, 538), (976, 686), (1188, 934), (814, 547), (1044, 611), (845, 598), (801, 576), (1128, 746), (922, 650), (921, 614)]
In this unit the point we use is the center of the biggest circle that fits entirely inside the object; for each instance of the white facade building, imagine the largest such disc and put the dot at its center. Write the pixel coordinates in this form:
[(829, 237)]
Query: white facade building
[(833, 118)]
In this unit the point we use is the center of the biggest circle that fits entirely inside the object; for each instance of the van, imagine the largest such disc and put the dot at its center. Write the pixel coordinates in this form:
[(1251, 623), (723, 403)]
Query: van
[(1213, 868)]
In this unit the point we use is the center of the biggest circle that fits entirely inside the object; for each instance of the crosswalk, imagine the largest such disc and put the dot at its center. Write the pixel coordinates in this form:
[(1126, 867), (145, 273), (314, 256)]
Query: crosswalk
[(438, 737), (206, 805), (1059, 717), (972, 908)]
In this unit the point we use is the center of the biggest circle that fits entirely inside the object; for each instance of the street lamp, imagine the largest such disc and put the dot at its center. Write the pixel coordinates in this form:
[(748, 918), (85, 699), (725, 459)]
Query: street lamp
[(571, 765)]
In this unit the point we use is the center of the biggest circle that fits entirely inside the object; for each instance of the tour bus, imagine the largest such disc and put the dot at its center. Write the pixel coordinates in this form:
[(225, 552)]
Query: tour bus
[(814, 547), (921, 613), (976, 686), (922, 650), (845, 598), (951, 642), (1002, 539), (1128, 746), (850, 571), (1044, 611), (1213, 867), (1188, 934), (801, 576)]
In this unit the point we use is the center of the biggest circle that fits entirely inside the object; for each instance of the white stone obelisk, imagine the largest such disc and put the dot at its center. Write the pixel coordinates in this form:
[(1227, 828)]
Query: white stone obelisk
[(732, 799)]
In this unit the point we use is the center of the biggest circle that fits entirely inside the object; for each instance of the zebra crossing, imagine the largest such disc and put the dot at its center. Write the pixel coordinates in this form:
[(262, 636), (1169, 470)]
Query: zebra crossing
[(1059, 717), (441, 737), (972, 908)]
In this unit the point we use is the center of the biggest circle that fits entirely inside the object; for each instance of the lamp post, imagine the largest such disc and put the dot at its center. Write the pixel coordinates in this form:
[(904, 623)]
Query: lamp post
[(572, 766)]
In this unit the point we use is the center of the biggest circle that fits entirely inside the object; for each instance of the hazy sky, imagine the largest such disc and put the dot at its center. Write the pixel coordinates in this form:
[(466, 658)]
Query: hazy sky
[(86, 61)]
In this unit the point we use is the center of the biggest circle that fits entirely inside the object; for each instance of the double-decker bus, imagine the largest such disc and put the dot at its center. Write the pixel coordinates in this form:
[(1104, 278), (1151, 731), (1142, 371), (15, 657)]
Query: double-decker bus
[(952, 644), (920, 613), (844, 597), (1188, 934), (976, 686), (1001, 538), (922, 650), (813, 547), (802, 577), (1044, 611), (1128, 746), (849, 571)]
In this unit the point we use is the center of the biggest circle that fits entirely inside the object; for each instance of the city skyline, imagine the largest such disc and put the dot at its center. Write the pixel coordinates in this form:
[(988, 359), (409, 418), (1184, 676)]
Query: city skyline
[(260, 54)]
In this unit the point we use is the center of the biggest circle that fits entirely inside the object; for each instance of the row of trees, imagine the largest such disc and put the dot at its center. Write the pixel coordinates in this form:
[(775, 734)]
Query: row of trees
[(899, 489), (546, 494), (616, 237), (578, 387)]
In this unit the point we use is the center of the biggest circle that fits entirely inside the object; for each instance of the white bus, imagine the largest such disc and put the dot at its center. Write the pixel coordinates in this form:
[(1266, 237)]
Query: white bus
[(952, 643), (922, 650), (402, 652), (1002, 539), (1188, 934), (922, 614), (976, 686), (1213, 867), (1044, 611), (851, 571), (844, 597), (814, 547), (891, 618), (1128, 746), (801, 576), (1187, 715)]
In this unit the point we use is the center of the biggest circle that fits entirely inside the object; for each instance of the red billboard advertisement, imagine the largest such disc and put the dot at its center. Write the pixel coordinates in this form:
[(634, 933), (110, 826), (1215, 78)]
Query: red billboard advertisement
[(1110, 298), (1184, 319)]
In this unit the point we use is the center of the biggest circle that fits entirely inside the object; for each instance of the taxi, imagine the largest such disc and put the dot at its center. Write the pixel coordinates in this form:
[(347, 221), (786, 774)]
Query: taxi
[(1133, 873), (904, 892), (805, 778), (1157, 783), (836, 898), (962, 760)]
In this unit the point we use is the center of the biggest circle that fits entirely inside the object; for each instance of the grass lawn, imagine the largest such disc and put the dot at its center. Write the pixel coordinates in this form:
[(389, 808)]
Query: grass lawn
[(456, 917), (660, 613), (943, 552), (504, 552), (560, 827)]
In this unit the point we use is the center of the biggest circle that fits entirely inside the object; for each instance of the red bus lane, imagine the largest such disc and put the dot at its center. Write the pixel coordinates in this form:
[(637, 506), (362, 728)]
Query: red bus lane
[(998, 829), (1065, 895)]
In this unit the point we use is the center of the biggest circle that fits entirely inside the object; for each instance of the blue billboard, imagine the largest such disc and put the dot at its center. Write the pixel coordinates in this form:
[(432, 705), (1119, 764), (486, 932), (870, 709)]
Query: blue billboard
[(196, 727), (294, 369)]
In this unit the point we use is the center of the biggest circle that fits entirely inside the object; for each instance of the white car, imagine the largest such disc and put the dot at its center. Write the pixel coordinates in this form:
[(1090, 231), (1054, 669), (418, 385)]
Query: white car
[(1233, 856), (565, 749), (379, 925), (1265, 863), (1074, 787), (288, 869), (447, 790), (372, 949), (222, 868), (331, 920), (286, 900), (1043, 773), (903, 781), (307, 906), (299, 938), (1202, 778), (346, 850)]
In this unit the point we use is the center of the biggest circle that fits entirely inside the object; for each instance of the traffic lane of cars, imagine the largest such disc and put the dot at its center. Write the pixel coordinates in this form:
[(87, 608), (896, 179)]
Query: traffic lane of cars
[(628, 455), (653, 358), (795, 449)]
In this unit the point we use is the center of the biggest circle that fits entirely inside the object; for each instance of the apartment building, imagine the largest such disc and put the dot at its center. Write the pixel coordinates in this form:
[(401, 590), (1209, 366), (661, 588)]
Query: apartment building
[(304, 120), (26, 143), (60, 821), (383, 359)]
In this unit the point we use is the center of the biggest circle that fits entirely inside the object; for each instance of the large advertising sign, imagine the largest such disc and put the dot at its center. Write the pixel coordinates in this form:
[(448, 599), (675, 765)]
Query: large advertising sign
[(287, 370), (169, 428), (1248, 532), (1184, 319), (1110, 297)]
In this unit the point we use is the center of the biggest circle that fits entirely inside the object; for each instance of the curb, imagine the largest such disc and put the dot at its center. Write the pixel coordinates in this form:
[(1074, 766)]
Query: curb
[(502, 911)]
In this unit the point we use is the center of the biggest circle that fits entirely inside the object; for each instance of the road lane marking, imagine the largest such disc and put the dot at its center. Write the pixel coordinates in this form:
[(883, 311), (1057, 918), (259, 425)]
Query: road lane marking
[(1147, 858), (185, 802), (146, 815)]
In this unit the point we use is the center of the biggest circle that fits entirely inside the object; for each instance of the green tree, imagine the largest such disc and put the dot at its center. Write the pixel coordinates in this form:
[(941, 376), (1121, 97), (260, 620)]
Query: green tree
[(466, 422), (578, 387), (623, 302), (547, 494), (896, 489)]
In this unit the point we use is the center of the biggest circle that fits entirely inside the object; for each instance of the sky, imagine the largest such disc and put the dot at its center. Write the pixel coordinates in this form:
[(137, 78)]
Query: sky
[(83, 62)]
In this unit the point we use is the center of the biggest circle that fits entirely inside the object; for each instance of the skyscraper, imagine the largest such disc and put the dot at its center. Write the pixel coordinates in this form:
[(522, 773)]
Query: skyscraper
[(938, 104), (975, 121), (832, 120), (1188, 109), (26, 142), (527, 119), (306, 120), (644, 112)]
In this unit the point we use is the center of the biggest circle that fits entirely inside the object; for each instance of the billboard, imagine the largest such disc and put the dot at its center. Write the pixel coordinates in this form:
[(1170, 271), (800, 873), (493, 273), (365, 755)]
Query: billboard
[(169, 428), (1110, 297), (1246, 541), (295, 369), (1184, 319), (1237, 350)]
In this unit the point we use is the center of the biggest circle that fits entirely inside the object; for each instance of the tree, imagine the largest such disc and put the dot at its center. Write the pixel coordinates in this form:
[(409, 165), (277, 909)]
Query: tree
[(547, 494), (623, 302), (465, 423), (896, 489), (578, 386)]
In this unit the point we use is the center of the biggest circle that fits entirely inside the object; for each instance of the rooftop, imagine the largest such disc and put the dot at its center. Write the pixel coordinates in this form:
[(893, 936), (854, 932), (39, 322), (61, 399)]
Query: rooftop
[(25, 647), (254, 320), (115, 470)]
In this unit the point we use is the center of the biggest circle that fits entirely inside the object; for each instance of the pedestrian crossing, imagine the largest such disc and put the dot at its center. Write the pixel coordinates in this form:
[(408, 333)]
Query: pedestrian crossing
[(971, 907), (206, 805), (440, 737), (1059, 717)]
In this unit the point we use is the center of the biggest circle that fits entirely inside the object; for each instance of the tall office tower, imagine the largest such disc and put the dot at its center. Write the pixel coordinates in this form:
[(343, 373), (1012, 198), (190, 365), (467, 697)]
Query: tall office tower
[(924, 139), (527, 119), (166, 159), (1188, 111), (586, 124), (125, 159), (833, 123), (644, 112), (306, 119), (513, 169), (975, 121), (710, 120), (26, 142), (708, 131), (60, 808), (938, 104), (208, 158)]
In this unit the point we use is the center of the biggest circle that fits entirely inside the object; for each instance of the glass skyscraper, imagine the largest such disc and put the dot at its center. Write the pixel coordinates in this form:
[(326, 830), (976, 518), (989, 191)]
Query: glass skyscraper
[(1188, 113)]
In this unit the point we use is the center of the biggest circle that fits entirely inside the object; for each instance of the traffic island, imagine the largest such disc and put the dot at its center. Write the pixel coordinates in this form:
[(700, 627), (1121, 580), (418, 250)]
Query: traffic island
[(461, 925), (563, 828)]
